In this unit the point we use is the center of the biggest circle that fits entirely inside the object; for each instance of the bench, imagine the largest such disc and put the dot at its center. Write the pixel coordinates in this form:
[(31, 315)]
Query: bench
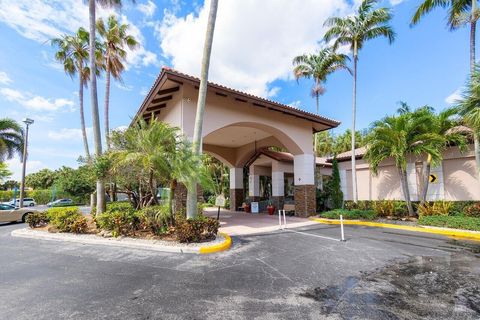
[(289, 207)]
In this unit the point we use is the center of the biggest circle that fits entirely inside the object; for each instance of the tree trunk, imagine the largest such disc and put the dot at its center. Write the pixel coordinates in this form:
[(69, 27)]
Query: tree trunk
[(82, 120), (354, 112), (107, 102), (202, 94), (315, 142), (476, 143), (97, 136), (406, 191), (152, 187), (425, 176), (473, 25)]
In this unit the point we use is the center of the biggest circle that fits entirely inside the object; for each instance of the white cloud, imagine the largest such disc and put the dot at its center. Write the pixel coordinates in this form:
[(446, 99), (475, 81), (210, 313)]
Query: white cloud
[(456, 95), (15, 166), (148, 8), (35, 103), (395, 2), (295, 104), (43, 20), (4, 78), (254, 41), (67, 134)]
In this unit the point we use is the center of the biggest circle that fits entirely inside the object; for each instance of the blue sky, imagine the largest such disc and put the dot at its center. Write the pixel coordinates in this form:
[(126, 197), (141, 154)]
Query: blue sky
[(253, 47)]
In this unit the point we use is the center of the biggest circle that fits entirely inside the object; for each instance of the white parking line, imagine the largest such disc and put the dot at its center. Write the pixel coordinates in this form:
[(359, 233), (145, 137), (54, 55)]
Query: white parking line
[(313, 235)]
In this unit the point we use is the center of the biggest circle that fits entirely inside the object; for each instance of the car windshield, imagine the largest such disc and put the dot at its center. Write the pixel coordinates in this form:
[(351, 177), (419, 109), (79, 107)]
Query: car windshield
[(6, 207)]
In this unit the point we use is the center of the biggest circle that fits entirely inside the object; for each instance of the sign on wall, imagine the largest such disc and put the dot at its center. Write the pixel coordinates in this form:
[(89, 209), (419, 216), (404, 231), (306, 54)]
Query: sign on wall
[(254, 207), (433, 178)]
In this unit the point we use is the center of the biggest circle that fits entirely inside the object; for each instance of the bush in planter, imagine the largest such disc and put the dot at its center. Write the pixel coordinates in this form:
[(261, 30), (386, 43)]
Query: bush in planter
[(384, 208), (436, 208), (155, 219), (354, 214), (472, 210), (119, 222), (68, 219), (37, 219), (195, 230)]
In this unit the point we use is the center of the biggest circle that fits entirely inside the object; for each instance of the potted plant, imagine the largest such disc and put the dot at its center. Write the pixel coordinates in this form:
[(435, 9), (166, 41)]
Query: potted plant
[(270, 208), (246, 207)]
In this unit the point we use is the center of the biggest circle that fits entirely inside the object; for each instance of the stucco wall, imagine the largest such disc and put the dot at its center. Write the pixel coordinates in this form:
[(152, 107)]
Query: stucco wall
[(456, 179)]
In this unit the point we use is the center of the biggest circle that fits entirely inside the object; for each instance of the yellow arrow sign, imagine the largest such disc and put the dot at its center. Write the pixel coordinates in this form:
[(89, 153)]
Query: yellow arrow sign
[(433, 178)]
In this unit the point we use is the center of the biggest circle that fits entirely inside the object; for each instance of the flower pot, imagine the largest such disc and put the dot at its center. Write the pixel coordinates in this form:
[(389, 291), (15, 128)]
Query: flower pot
[(271, 210)]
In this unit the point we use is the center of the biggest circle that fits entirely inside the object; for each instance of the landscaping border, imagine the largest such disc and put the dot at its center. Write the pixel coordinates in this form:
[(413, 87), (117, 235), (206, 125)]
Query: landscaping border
[(153, 245), (457, 233)]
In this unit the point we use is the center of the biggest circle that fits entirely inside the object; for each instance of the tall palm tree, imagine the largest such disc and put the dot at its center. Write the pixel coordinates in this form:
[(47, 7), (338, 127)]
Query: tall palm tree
[(97, 136), (318, 67), (202, 95), (115, 39), (73, 55), (460, 12), (11, 139), (397, 137), (368, 23), (468, 108)]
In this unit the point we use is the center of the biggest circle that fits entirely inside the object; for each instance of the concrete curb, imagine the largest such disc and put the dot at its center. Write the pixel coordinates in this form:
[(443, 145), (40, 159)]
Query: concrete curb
[(465, 234), (124, 242)]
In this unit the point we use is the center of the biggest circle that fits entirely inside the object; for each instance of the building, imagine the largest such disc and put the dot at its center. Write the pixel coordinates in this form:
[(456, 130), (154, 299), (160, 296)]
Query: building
[(236, 126), (455, 179)]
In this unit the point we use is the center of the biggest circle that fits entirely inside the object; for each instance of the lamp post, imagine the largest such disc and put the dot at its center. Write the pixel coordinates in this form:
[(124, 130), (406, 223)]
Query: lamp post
[(27, 122)]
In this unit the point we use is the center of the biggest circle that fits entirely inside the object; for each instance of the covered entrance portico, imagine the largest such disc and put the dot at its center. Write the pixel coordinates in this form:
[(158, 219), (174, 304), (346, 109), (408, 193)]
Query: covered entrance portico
[(236, 127)]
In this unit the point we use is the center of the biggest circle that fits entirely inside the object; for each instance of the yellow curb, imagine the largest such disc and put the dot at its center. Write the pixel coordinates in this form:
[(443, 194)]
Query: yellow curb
[(470, 235), (218, 247)]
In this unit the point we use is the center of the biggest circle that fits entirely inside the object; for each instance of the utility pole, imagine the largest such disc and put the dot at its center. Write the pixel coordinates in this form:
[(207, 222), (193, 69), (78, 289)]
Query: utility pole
[(27, 122)]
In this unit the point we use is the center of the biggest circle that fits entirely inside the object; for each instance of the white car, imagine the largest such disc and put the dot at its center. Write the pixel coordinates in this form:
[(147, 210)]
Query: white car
[(27, 202), (9, 213), (60, 203)]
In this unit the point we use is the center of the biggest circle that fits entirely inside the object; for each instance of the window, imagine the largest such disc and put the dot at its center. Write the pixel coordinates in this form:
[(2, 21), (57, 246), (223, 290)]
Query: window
[(6, 207)]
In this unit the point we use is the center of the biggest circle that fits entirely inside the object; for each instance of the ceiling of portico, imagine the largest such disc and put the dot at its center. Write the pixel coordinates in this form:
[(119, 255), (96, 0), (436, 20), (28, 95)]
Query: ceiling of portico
[(235, 136)]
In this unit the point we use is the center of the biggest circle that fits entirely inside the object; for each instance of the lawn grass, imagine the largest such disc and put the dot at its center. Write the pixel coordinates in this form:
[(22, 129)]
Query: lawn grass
[(456, 222)]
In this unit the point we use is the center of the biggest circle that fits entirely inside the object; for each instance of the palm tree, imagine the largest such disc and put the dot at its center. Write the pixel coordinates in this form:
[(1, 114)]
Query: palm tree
[(460, 12), (319, 66), (115, 39), (11, 139), (446, 126), (97, 136), (367, 24), (397, 137), (468, 108), (73, 55), (202, 95)]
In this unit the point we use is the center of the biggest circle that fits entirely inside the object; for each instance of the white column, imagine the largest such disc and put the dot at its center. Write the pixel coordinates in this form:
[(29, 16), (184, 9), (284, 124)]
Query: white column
[(278, 184), (304, 169), (343, 182), (253, 185), (236, 178), (412, 181)]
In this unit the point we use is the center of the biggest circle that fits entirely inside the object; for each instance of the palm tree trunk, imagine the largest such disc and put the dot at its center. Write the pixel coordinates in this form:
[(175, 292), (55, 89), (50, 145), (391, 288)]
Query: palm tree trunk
[(82, 121), (473, 25), (107, 102), (202, 94), (406, 192), (476, 144), (315, 143), (354, 112), (97, 136), (425, 176)]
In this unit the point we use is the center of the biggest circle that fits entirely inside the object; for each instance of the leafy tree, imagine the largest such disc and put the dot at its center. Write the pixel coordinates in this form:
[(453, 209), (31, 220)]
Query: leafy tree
[(460, 12), (9, 185), (11, 139), (4, 172), (397, 137), (115, 40), (318, 67), (355, 30), (334, 188), (202, 95), (43, 179), (76, 182)]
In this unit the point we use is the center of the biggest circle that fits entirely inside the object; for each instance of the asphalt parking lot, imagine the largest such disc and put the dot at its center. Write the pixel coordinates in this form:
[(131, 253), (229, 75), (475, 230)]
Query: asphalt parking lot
[(376, 274)]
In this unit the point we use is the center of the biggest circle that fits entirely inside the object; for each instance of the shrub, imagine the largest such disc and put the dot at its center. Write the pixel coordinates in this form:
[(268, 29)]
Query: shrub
[(66, 219), (354, 214), (79, 225), (195, 230), (437, 208), (155, 219), (472, 210), (457, 222), (384, 208), (37, 219), (120, 218)]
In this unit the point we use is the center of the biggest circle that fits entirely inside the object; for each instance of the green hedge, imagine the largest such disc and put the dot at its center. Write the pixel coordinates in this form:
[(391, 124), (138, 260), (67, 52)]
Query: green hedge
[(457, 222), (354, 214)]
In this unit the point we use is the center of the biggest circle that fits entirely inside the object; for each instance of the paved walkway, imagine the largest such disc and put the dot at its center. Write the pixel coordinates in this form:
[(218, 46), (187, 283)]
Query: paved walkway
[(237, 223)]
